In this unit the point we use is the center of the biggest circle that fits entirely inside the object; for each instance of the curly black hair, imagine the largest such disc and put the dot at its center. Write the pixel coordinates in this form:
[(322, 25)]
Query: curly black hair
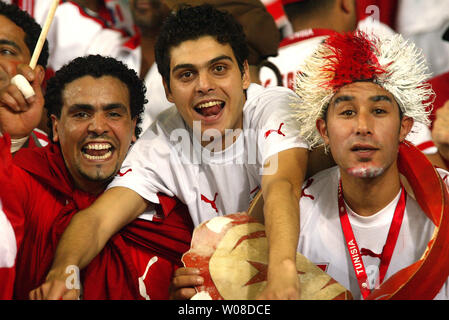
[(95, 66), (31, 28), (191, 23)]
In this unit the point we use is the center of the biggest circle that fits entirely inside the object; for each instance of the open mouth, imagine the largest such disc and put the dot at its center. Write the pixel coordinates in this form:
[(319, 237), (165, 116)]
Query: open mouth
[(363, 148), (97, 151), (210, 109)]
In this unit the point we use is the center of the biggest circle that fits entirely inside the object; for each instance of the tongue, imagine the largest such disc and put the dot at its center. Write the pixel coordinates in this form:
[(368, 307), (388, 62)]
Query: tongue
[(211, 111), (96, 152)]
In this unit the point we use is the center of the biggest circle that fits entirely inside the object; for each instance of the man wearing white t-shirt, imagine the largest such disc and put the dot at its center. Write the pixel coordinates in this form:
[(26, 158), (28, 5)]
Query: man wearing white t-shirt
[(225, 140), (358, 221)]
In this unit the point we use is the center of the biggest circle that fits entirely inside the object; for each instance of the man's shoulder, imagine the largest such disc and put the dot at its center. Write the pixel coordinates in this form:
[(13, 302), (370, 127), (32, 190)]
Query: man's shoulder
[(167, 121), (322, 178), (258, 96)]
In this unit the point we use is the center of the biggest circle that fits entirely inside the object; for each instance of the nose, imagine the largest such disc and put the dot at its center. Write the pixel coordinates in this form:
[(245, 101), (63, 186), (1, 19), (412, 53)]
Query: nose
[(205, 82), (364, 124), (98, 124)]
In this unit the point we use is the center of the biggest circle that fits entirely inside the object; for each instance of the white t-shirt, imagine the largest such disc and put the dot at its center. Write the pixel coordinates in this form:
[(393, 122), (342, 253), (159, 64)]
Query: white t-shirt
[(322, 240), (168, 159)]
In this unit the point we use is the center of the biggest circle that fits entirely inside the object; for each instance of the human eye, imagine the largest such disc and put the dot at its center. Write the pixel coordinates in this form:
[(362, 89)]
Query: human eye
[(379, 111), (220, 68), (114, 114), (186, 75), (80, 115), (7, 52), (347, 112)]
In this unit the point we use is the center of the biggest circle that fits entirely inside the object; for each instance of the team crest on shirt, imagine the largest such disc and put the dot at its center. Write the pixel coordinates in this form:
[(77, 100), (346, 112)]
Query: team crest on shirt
[(275, 131), (211, 201), (121, 174), (307, 185)]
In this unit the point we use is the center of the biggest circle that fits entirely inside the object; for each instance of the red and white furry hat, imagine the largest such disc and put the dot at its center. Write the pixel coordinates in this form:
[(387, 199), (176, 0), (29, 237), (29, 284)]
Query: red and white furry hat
[(395, 64)]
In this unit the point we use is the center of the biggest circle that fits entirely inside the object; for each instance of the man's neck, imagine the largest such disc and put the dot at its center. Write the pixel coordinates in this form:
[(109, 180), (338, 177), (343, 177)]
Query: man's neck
[(367, 196), (92, 187)]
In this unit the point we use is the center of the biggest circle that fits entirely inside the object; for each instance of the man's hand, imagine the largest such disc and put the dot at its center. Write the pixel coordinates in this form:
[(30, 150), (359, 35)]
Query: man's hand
[(19, 116), (440, 131), (183, 283), (282, 283), (55, 287)]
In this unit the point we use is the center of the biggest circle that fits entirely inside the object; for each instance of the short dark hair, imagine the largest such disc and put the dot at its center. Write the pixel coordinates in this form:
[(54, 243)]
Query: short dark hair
[(191, 23), (31, 28), (95, 66)]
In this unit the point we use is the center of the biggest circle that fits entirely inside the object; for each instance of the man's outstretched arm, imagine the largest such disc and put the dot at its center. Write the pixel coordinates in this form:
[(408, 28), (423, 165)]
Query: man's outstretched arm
[(281, 192), (86, 235)]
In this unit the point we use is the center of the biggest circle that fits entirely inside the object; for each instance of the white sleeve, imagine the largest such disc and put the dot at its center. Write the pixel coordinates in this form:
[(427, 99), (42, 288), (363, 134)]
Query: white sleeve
[(277, 131)]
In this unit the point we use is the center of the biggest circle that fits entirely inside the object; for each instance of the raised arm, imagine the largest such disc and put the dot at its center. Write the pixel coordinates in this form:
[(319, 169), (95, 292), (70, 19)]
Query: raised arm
[(281, 192), (86, 235)]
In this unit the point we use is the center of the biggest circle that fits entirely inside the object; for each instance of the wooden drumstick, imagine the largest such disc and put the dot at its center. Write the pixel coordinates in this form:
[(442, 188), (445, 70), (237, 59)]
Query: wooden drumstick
[(43, 35), (19, 80)]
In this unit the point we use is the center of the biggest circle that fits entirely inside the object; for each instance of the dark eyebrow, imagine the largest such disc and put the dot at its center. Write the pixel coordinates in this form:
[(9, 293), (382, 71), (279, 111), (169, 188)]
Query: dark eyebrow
[(88, 107), (381, 98), (343, 98), (191, 66), (10, 43), (80, 106)]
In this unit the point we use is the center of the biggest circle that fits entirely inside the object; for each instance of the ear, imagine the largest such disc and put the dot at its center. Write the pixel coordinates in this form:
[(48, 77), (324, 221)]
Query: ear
[(348, 6), (167, 91), (134, 138), (40, 73), (322, 129), (54, 127), (246, 78), (406, 127)]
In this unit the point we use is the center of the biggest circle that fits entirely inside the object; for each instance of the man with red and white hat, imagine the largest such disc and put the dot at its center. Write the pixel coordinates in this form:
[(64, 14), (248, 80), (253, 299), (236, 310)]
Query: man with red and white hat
[(377, 222), (313, 21)]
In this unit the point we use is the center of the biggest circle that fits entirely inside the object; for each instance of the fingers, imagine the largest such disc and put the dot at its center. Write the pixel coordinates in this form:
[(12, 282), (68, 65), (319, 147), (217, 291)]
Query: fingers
[(14, 97), (183, 294), (54, 290), (183, 283)]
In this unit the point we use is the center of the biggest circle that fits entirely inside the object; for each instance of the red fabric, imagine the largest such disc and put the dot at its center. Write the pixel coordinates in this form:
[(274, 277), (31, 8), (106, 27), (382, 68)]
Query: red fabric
[(425, 277), (13, 213), (44, 191), (7, 283), (440, 84)]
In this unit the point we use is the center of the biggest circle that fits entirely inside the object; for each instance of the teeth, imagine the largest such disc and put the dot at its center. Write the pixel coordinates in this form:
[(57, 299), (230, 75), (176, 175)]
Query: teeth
[(98, 146), (103, 157), (208, 104)]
